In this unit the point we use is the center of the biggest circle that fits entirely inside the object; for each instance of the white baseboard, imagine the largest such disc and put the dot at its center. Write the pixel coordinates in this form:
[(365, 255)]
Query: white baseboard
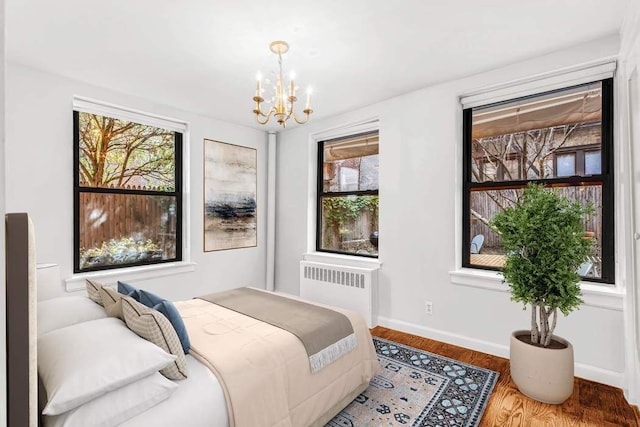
[(447, 337), (600, 375), (593, 373)]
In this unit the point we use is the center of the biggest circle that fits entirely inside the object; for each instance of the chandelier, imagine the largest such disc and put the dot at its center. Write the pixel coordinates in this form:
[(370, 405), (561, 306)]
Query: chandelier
[(283, 103)]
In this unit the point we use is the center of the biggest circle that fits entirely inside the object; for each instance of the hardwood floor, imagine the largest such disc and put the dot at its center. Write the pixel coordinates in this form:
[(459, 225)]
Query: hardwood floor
[(592, 404)]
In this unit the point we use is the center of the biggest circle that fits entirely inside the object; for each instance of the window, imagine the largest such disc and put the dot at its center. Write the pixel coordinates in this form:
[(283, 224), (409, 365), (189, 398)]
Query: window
[(562, 139), (127, 193), (348, 195)]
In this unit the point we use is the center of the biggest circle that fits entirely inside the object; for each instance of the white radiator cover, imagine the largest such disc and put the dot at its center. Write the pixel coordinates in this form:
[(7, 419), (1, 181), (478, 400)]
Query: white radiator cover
[(352, 288)]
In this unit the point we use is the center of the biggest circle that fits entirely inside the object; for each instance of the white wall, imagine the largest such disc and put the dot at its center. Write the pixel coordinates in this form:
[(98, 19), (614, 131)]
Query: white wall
[(3, 345), (39, 178), (420, 183), (629, 91)]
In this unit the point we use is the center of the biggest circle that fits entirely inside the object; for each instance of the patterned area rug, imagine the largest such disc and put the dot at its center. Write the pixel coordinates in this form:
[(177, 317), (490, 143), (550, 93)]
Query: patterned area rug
[(416, 388)]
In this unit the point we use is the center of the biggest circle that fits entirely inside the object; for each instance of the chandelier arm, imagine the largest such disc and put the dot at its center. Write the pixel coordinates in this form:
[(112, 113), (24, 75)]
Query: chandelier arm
[(295, 117), (258, 111), (267, 117)]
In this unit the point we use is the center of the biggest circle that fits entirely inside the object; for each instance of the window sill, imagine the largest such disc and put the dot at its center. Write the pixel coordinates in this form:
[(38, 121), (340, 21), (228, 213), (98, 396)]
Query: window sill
[(76, 282), (339, 259), (601, 296)]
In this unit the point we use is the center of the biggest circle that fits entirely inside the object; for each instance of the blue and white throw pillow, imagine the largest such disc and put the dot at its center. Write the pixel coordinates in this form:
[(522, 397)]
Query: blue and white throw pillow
[(170, 312), (129, 290)]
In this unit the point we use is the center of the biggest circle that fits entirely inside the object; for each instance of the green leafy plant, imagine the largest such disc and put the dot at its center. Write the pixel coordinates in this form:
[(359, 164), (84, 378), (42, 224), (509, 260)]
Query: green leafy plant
[(544, 239), (118, 251), (340, 210)]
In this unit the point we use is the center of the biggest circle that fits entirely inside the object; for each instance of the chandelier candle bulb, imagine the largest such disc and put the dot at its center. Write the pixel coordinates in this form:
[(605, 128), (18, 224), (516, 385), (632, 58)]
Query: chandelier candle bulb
[(259, 88), (308, 99)]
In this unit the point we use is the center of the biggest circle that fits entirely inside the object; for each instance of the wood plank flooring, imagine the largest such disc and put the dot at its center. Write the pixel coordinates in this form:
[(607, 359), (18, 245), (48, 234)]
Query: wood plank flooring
[(592, 404)]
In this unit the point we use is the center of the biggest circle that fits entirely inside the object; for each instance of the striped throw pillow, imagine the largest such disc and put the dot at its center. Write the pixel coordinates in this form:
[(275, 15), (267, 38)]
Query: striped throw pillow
[(112, 302), (93, 291), (154, 327)]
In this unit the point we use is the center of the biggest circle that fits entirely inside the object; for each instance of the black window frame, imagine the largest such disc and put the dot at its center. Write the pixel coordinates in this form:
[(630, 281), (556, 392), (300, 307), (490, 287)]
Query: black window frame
[(605, 179), (579, 156), (320, 194), (77, 189)]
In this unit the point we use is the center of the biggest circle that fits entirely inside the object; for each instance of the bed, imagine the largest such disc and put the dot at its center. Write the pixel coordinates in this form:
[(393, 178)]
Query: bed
[(241, 371)]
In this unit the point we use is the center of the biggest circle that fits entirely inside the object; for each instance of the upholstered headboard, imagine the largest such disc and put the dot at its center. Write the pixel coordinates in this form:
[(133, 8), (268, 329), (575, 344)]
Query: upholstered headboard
[(21, 315)]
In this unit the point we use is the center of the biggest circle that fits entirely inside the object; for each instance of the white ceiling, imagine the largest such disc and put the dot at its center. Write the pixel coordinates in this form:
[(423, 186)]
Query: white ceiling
[(203, 56)]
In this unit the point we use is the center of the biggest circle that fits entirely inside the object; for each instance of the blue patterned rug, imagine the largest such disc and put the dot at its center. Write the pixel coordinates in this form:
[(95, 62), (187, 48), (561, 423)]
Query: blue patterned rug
[(416, 388)]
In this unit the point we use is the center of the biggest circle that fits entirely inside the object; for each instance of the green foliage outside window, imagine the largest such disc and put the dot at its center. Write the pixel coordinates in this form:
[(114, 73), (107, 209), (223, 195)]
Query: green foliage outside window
[(119, 251), (338, 211)]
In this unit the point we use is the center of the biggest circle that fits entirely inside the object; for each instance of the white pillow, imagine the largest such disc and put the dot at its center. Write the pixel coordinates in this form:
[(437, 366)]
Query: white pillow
[(83, 361), (60, 312), (116, 406)]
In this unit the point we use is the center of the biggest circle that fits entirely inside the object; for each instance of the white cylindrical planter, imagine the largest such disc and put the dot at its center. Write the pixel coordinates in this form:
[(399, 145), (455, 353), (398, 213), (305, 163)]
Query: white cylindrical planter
[(543, 374)]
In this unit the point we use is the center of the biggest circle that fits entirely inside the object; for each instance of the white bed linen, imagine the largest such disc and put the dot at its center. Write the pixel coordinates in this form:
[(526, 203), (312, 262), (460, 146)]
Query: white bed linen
[(198, 402)]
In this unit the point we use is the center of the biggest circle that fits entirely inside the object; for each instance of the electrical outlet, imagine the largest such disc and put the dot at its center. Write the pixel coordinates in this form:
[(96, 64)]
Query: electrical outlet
[(428, 307)]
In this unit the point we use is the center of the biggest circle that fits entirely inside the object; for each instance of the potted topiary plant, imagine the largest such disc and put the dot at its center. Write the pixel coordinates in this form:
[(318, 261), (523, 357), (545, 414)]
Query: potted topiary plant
[(545, 244)]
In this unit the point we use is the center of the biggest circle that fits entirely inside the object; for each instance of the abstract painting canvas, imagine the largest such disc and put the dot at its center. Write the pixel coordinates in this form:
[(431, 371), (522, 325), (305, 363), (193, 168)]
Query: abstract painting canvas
[(230, 187)]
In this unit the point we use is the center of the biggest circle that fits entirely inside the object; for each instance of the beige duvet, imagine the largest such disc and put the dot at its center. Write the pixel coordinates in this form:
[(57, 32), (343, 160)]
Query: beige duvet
[(265, 371)]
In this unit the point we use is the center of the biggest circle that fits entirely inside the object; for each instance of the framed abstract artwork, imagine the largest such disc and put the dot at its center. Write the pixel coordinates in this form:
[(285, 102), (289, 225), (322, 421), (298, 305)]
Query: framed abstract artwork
[(230, 190)]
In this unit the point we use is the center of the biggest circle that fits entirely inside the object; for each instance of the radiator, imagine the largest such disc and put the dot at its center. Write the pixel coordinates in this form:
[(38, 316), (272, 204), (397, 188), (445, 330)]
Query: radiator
[(345, 287)]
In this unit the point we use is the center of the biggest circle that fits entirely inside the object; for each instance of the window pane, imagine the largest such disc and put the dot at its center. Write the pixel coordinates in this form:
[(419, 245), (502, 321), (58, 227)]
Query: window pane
[(490, 171), (512, 169), (592, 163), (120, 154), (350, 224), (485, 248), (529, 132), (120, 229), (351, 164), (566, 164)]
